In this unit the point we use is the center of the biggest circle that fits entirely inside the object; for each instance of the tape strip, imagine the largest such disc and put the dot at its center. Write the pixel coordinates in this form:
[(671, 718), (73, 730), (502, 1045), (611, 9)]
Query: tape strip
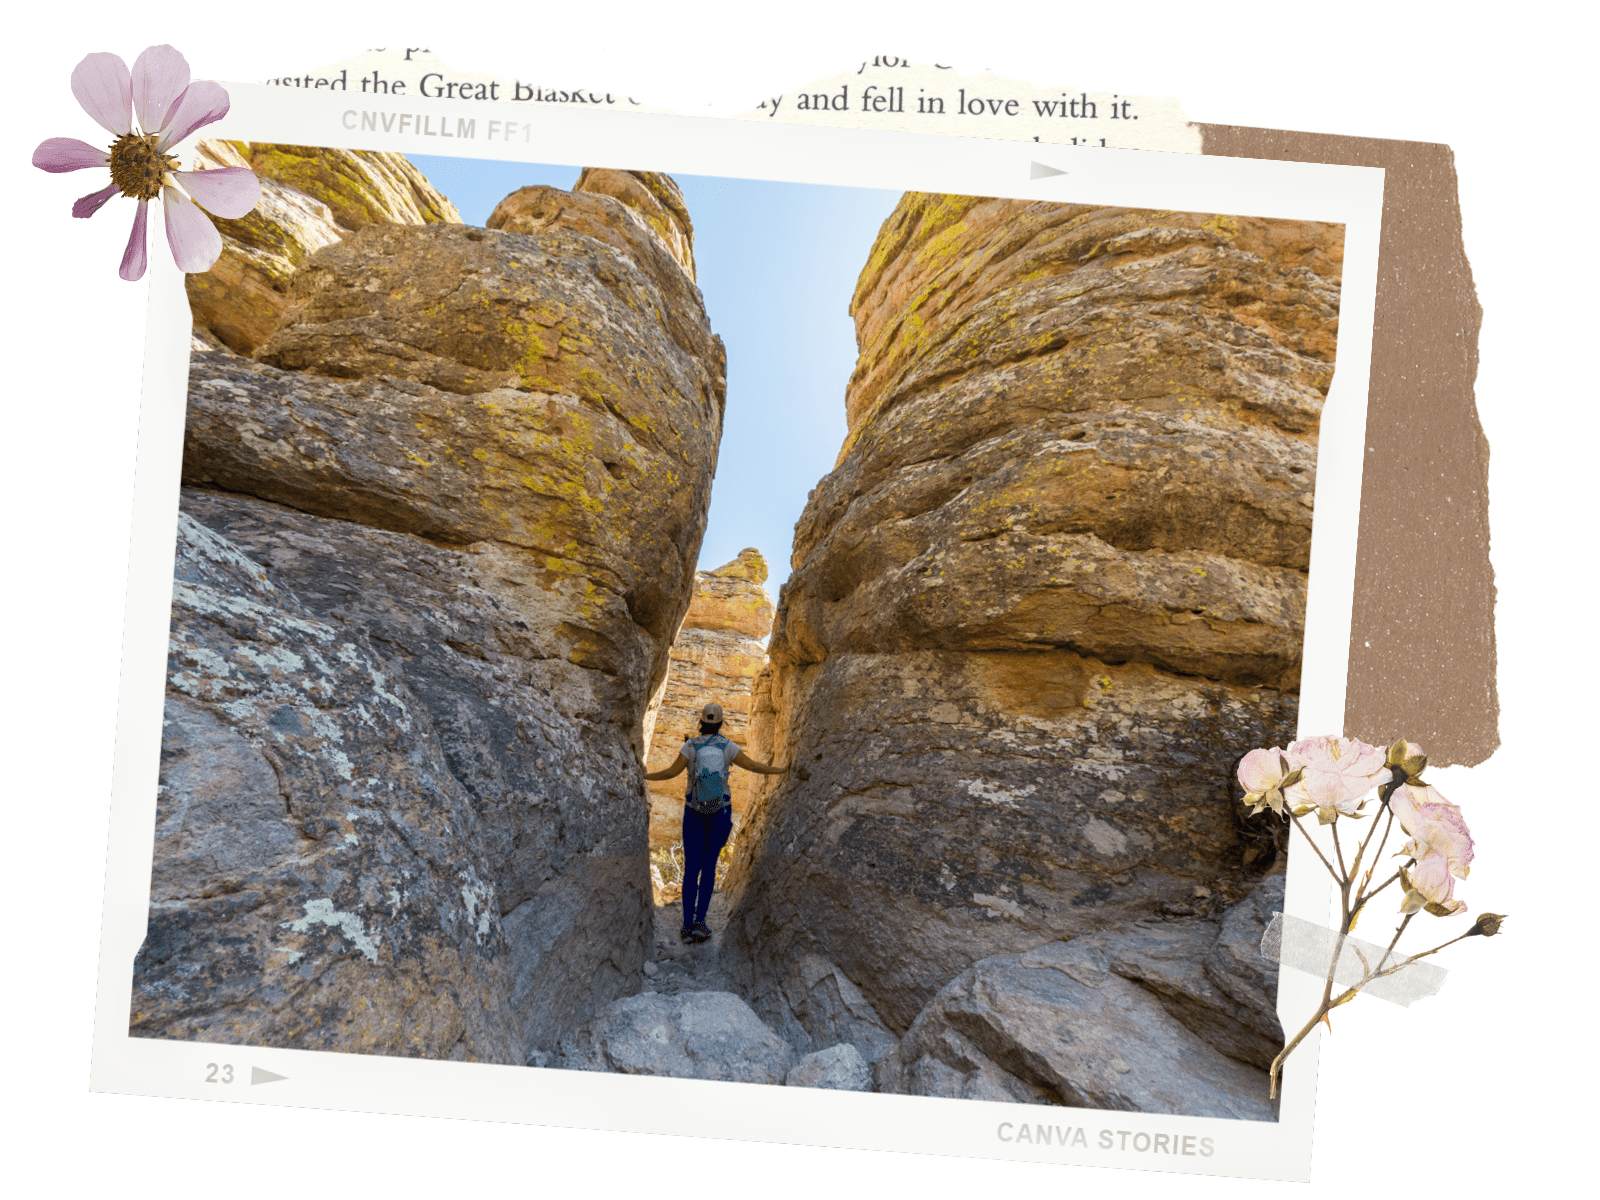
[(1309, 947)]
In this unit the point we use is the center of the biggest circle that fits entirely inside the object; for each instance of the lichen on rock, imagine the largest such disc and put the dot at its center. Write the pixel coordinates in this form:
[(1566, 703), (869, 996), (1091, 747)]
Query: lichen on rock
[(311, 197)]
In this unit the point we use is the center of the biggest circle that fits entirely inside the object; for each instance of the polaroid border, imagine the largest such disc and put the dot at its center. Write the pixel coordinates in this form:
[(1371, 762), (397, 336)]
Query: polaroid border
[(1352, 196)]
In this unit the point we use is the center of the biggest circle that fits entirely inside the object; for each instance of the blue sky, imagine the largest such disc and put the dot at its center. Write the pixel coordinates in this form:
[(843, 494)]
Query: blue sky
[(777, 264)]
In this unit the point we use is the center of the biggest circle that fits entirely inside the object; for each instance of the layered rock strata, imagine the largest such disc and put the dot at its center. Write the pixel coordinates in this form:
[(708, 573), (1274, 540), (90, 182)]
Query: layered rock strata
[(715, 657), (311, 197), (1054, 587), (473, 470)]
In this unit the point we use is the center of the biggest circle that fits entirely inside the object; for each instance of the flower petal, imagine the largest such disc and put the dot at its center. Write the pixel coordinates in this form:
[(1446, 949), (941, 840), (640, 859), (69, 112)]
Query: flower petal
[(101, 84), (1260, 770), (135, 258), (201, 103), (227, 192), (87, 206), (1433, 821), (160, 75), (68, 154), (1432, 877), (195, 242)]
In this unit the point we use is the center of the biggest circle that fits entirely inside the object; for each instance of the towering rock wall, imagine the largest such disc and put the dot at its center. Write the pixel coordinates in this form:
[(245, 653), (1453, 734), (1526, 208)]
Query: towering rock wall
[(1054, 586), (438, 536), (715, 657)]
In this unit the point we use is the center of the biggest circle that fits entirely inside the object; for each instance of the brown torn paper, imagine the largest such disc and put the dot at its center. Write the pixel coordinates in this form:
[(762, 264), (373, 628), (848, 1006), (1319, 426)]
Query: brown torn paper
[(1422, 649)]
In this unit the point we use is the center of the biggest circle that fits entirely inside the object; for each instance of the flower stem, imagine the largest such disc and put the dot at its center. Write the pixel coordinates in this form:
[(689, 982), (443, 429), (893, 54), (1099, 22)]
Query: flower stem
[(1277, 1063), (1387, 825), (1437, 948), (1394, 941)]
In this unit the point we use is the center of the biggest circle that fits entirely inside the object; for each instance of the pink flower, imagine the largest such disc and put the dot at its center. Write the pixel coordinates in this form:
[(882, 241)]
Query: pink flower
[(169, 108), (1439, 842), (1264, 774), (1336, 774)]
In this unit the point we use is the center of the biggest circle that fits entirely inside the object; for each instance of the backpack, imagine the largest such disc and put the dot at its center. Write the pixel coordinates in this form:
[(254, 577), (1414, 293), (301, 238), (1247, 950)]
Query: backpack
[(708, 773)]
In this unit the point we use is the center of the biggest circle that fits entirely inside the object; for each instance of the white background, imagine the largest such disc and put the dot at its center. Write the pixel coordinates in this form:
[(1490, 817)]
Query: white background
[(1482, 1089)]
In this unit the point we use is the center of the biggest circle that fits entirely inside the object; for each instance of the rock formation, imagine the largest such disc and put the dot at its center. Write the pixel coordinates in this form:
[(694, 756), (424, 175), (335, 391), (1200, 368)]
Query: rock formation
[(311, 197), (1053, 588), (439, 537), (715, 657), (840, 1068), (321, 878), (692, 1035), (1153, 1019), (640, 213)]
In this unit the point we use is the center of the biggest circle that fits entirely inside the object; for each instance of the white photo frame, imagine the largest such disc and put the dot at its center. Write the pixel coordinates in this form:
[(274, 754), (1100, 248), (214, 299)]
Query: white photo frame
[(1351, 196)]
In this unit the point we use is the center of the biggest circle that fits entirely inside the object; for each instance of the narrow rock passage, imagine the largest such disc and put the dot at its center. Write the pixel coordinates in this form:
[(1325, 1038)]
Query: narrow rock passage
[(682, 967)]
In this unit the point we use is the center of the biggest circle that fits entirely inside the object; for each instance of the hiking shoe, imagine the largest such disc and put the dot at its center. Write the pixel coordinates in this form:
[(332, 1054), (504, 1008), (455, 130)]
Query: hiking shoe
[(688, 935), (700, 932)]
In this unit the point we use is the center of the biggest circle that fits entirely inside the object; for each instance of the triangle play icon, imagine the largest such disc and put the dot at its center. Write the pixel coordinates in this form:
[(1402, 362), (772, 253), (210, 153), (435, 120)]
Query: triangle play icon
[(1040, 171), (257, 1075)]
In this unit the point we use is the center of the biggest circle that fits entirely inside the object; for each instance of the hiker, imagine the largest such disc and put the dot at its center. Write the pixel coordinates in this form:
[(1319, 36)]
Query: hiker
[(707, 812)]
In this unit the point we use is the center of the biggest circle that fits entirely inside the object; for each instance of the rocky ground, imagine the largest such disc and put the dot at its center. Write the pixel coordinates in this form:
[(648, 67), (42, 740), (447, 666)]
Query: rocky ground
[(689, 1022), (1173, 1015), (678, 966)]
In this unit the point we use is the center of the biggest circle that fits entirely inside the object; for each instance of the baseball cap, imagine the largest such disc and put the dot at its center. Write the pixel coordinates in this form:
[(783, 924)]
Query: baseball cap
[(711, 713)]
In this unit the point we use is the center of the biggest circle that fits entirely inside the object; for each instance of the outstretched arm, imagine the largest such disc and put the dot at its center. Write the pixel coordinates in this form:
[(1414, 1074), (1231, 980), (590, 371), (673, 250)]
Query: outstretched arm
[(677, 768), (760, 768)]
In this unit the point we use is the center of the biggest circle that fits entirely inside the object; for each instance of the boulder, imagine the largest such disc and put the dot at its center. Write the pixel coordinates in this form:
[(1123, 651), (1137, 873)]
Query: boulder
[(1235, 967), (588, 458), (641, 213), (311, 197), (838, 1067), (691, 1035), (818, 1006), (1063, 1023), (1053, 588), (510, 713), (514, 561), (1202, 975), (320, 877)]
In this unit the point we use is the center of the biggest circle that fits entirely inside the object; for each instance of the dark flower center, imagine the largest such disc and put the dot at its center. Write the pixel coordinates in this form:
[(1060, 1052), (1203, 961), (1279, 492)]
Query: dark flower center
[(137, 166)]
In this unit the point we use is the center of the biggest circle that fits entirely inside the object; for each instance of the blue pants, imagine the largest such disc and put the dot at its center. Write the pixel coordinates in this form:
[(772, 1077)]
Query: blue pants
[(704, 836)]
